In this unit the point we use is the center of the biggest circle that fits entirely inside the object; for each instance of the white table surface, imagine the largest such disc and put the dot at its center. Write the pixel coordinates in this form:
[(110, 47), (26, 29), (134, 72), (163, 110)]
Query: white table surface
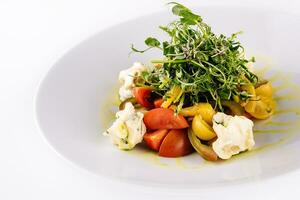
[(33, 35)]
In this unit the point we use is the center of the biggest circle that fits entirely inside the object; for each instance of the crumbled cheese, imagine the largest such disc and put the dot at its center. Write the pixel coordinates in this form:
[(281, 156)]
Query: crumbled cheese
[(126, 78), (234, 134), (128, 129)]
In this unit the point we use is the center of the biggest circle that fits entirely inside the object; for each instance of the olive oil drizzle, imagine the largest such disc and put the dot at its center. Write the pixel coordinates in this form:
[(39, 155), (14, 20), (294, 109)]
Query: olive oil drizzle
[(287, 128)]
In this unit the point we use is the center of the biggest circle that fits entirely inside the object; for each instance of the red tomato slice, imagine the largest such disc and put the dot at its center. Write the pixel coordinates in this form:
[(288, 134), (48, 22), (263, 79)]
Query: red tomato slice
[(158, 102), (163, 118), (142, 96), (175, 144), (154, 139)]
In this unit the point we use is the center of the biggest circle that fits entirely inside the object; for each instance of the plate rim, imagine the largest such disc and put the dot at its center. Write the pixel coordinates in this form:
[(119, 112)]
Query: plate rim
[(127, 181)]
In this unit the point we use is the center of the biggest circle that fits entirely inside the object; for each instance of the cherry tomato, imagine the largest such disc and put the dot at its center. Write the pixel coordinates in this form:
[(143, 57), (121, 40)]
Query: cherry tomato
[(175, 144), (142, 96), (250, 105), (265, 90), (204, 109), (264, 104), (204, 150), (158, 102), (264, 108), (154, 139), (202, 129), (163, 118)]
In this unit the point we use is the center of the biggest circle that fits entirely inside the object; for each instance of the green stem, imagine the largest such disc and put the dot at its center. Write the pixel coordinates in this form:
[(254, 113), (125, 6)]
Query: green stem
[(169, 61), (198, 64)]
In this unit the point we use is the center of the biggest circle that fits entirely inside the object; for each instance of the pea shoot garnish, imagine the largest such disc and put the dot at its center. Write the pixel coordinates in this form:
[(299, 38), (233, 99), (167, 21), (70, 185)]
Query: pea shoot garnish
[(203, 65)]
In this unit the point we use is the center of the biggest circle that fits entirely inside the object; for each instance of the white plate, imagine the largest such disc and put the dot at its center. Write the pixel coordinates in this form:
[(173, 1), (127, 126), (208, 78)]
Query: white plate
[(74, 102)]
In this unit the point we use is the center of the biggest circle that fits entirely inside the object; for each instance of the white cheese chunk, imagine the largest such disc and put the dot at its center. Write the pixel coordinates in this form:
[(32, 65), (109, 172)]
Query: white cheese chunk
[(126, 78), (234, 134), (128, 129)]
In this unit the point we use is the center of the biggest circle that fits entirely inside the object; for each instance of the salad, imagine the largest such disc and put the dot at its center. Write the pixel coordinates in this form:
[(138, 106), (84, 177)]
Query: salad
[(202, 95)]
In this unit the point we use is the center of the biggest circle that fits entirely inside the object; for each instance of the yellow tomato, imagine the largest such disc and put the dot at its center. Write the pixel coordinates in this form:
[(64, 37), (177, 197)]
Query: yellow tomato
[(264, 90), (235, 108), (204, 109), (265, 105), (264, 108), (205, 151), (173, 95), (250, 104), (202, 129), (172, 107)]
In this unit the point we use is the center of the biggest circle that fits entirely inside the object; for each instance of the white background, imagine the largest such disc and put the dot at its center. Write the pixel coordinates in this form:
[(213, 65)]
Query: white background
[(33, 35)]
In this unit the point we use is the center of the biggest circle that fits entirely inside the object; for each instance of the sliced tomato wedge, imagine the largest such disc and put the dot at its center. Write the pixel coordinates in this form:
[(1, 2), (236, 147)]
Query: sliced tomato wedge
[(142, 96), (175, 144), (163, 118), (158, 102), (154, 139)]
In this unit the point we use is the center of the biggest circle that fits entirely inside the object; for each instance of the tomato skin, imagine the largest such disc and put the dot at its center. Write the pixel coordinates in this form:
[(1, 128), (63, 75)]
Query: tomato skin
[(158, 103), (248, 115), (163, 118), (154, 139), (175, 144), (142, 96)]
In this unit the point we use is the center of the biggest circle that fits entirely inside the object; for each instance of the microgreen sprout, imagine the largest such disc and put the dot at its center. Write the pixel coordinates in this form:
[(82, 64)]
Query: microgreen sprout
[(206, 66)]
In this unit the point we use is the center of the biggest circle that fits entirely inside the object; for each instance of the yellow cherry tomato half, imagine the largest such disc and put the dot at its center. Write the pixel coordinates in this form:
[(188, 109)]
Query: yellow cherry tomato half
[(202, 129), (264, 109), (250, 104), (264, 104), (173, 95), (264, 90), (204, 109)]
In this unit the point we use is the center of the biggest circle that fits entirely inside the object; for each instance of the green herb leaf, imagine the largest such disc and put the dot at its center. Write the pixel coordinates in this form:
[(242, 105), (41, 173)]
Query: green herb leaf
[(208, 67), (133, 49), (186, 14), (152, 42)]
